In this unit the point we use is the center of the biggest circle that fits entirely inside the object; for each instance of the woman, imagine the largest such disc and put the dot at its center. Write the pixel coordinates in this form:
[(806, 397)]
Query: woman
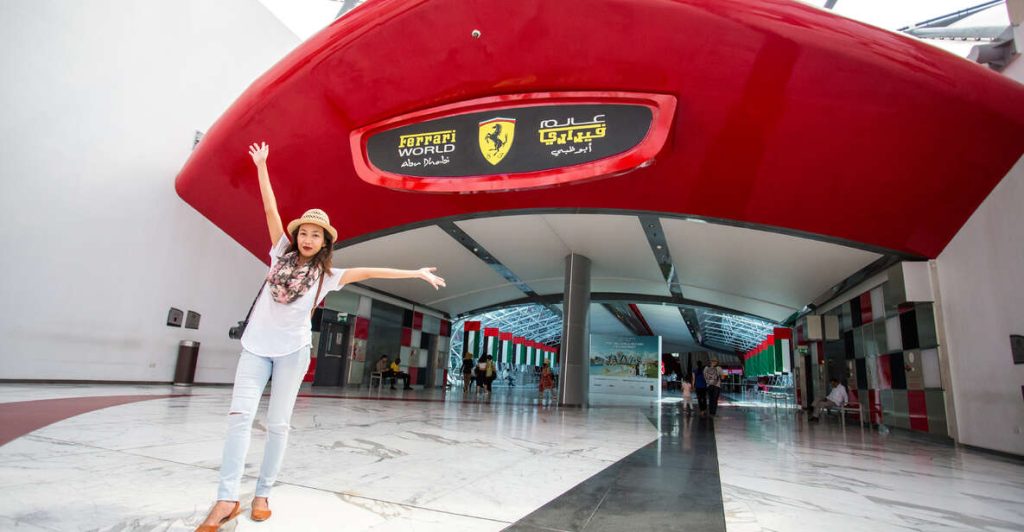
[(467, 371), (547, 380), (701, 387), (277, 341), (490, 372), (480, 374)]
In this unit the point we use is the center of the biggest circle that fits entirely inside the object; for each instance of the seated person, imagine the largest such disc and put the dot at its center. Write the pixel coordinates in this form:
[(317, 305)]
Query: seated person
[(397, 373), (384, 368), (837, 398)]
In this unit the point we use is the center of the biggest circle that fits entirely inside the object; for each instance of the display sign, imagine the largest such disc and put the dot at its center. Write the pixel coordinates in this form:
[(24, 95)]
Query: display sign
[(514, 142), (625, 366)]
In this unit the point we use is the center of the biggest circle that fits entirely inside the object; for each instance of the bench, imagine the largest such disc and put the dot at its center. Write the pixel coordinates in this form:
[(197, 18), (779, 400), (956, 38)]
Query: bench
[(853, 408), (379, 377)]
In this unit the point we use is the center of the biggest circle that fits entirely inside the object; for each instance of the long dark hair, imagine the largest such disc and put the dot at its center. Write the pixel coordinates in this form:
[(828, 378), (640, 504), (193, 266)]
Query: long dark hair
[(324, 259)]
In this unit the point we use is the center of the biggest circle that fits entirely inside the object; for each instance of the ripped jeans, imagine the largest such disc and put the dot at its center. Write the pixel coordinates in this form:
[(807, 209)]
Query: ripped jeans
[(250, 380)]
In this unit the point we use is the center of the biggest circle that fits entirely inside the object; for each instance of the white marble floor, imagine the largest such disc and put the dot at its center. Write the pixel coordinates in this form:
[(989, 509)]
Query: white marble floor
[(780, 473), (352, 464), (427, 464)]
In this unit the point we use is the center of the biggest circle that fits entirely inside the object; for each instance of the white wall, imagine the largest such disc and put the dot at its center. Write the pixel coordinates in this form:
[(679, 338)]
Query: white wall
[(980, 281), (101, 100)]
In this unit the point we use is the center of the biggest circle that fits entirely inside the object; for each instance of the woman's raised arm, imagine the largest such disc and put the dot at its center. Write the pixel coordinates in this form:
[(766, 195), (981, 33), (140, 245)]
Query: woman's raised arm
[(259, 153), (354, 275)]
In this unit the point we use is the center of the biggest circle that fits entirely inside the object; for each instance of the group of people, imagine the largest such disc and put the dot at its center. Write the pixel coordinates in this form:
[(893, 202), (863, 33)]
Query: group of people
[(706, 381), (483, 372), (392, 371)]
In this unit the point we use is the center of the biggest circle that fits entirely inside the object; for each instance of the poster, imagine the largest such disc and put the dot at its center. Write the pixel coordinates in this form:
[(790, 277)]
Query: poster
[(626, 366)]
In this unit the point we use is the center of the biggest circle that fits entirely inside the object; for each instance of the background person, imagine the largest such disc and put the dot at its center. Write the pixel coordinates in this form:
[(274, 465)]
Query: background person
[(701, 387), (397, 373), (547, 380), (713, 378), (467, 371), (686, 389), (837, 398), (384, 368)]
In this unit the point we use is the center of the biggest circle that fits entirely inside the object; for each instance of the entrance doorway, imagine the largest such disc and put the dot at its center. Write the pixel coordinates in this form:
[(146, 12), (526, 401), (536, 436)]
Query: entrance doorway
[(330, 367)]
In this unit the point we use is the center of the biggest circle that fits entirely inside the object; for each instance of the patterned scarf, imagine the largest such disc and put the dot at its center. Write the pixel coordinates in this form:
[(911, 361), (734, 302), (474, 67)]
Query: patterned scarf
[(288, 281)]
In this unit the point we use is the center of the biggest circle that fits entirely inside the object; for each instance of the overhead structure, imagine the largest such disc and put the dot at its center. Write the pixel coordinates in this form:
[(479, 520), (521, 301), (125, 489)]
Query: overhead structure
[(535, 322), (693, 176), (731, 331)]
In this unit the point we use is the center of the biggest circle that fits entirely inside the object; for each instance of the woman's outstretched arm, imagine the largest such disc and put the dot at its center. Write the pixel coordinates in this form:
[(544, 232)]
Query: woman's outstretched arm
[(259, 153), (354, 275)]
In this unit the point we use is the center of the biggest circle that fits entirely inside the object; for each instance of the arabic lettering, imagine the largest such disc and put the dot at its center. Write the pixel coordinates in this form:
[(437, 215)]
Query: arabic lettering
[(573, 150), (552, 132)]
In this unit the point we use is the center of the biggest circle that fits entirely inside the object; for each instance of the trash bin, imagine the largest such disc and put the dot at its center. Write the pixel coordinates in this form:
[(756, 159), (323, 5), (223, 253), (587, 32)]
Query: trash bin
[(185, 370)]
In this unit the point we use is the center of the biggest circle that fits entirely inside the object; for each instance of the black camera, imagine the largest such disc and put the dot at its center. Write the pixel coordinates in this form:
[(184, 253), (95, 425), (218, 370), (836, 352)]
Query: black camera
[(235, 333)]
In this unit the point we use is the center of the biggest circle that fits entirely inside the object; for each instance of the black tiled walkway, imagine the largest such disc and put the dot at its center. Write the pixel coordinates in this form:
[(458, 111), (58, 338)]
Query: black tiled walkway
[(670, 484)]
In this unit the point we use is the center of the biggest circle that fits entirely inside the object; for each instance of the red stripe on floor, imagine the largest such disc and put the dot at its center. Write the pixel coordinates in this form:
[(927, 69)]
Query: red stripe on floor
[(20, 418)]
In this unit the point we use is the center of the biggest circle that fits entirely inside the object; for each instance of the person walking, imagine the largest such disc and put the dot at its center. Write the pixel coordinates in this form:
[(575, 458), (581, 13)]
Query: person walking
[(277, 341), (713, 378), (686, 389), (489, 373), (467, 371), (701, 387)]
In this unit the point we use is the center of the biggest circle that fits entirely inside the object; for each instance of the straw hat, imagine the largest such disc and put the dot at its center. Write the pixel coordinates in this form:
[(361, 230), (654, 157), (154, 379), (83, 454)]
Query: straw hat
[(315, 217)]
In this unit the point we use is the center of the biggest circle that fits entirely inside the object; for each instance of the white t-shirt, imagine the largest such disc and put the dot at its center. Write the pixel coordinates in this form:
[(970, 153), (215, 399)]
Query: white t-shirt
[(275, 329), (838, 395)]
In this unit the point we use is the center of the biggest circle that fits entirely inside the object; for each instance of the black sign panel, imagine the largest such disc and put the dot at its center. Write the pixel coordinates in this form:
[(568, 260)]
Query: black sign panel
[(510, 141)]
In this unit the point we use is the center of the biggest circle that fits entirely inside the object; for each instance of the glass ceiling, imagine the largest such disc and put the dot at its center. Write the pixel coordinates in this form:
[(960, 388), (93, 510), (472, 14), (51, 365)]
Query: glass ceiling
[(533, 322), (730, 331), (726, 332)]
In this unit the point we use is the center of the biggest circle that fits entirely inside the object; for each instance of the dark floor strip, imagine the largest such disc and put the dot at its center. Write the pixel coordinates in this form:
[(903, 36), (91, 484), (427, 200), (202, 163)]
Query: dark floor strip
[(669, 484), (22, 417)]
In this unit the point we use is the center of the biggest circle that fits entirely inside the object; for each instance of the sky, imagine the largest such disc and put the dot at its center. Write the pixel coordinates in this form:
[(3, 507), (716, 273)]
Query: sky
[(306, 17)]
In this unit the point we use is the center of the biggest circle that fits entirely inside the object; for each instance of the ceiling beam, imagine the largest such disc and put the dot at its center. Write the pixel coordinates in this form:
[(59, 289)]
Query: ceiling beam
[(951, 18), (605, 297), (477, 249), (624, 314), (626, 212)]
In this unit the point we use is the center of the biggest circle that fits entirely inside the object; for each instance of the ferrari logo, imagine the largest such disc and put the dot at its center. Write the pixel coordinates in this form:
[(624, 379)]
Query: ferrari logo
[(496, 138)]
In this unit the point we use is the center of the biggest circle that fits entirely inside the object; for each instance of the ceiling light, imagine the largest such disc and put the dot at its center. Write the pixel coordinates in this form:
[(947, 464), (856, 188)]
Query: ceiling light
[(695, 220)]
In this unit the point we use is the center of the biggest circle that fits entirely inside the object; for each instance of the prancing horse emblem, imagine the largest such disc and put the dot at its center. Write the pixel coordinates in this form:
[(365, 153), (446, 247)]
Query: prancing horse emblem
[(496, 137)]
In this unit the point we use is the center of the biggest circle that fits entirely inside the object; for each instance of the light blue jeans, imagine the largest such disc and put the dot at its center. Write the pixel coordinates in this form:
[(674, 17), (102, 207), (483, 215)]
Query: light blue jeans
[(250, 380)]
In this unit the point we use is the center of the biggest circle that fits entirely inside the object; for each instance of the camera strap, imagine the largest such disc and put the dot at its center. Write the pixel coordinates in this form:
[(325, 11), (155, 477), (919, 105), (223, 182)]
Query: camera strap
[(316, 299), (249, 314)]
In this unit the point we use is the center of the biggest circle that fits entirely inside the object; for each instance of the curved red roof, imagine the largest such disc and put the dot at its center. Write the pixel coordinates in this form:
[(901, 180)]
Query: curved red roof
[(786, 116)]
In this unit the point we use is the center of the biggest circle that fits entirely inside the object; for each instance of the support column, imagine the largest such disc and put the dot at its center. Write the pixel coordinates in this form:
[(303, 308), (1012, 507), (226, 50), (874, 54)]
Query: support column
[(574, 380)]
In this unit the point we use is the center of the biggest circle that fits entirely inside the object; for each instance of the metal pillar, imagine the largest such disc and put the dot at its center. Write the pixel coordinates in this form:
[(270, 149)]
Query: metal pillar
[(574, 381)]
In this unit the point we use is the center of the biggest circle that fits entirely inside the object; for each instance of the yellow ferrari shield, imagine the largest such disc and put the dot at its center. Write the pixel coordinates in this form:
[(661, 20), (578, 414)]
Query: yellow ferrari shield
[(496, 137)]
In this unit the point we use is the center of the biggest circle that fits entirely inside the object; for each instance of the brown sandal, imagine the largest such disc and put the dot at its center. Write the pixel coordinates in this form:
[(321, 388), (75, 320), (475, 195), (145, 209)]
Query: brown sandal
[(214, 528), (260, 515)]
